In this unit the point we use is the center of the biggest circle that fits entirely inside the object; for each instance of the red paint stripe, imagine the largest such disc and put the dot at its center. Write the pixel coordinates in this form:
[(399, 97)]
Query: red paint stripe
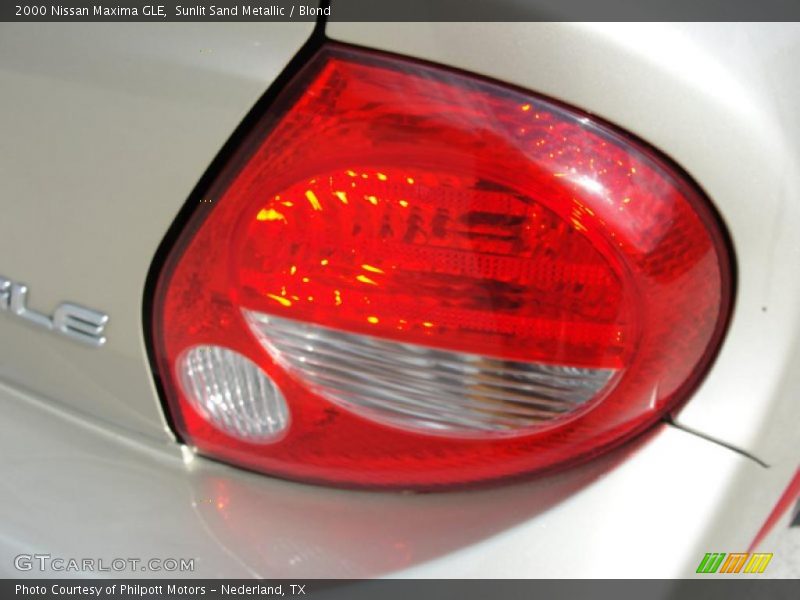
[(790, 494)]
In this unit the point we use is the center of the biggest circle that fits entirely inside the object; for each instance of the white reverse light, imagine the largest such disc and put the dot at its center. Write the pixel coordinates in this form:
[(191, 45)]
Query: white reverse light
[(426, 389), (233, 393)]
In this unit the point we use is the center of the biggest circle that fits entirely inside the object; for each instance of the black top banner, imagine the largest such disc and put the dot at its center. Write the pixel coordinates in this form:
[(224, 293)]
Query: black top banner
[(402, 10)]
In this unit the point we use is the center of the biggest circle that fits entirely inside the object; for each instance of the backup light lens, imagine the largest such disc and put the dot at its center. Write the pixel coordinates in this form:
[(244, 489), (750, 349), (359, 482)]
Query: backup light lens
[(233, 394), (445, 280), (423, 388)]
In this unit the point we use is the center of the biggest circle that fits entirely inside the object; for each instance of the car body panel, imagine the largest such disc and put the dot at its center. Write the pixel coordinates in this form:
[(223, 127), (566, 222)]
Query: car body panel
[(649, 510)]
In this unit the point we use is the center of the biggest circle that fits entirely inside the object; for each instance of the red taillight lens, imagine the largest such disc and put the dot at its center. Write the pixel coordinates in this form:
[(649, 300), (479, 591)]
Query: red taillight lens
[(411, 277)]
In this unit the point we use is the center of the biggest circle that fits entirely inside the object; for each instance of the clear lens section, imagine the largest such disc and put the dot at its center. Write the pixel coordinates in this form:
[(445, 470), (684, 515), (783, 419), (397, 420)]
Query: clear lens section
[(233, 393), (426, 389)]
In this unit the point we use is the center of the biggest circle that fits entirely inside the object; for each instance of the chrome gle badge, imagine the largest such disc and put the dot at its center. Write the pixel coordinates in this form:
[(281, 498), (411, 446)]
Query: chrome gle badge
[(74, 321)]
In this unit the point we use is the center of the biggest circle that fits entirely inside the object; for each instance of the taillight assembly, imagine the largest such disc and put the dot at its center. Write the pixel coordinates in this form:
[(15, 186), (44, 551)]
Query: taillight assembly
[(411, 277)]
